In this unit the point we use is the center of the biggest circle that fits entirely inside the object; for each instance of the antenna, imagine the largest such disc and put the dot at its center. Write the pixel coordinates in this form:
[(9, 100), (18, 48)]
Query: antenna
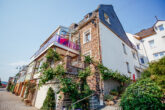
[(156, 18)]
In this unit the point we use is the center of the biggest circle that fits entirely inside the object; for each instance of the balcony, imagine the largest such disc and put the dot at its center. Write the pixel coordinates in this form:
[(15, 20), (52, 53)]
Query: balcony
[(58, 41)]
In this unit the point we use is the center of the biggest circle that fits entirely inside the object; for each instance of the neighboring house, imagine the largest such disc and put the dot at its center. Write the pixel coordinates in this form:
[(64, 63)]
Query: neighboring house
[(20, 81), (142, 57), (152, 42)]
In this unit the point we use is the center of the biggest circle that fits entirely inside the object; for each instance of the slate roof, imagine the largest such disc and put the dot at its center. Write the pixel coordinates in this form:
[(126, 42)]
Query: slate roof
[(115, 25)]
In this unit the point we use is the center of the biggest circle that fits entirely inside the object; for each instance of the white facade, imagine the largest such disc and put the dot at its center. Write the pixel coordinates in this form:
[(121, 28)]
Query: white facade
[(143, 59), (42, 93), (153, 46), (158, 46), (113, 55)]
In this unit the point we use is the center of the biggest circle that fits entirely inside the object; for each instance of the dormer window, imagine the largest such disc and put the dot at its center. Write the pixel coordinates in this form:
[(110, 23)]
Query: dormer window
[(161, 28), (106, 17)]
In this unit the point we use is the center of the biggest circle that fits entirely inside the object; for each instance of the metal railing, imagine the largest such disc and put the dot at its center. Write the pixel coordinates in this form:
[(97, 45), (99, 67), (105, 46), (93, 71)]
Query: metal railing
[(60, 40)]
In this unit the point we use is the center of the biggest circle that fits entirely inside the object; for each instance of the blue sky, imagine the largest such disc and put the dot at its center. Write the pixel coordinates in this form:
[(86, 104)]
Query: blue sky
[(25, 24)]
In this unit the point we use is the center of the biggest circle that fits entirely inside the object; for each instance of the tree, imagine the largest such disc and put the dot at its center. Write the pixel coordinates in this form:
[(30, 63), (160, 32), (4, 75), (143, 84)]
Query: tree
[(49, 102)]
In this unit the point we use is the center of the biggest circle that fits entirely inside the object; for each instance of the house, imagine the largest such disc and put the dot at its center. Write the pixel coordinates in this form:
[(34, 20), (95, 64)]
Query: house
[(68, 51), (20, 85), (150, 42), (99, 35)]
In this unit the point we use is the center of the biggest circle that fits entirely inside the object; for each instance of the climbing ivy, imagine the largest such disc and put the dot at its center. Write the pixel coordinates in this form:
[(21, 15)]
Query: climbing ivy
[(75, 90), (109, 74), (30, 87), (105, 72), (52, 55)]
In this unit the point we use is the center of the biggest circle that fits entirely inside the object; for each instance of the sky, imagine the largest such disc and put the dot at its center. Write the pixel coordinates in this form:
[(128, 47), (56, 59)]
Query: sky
[(25, 24)]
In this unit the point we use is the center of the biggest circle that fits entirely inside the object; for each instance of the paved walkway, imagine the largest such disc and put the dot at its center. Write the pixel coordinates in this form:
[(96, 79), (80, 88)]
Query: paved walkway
[(9, 101)]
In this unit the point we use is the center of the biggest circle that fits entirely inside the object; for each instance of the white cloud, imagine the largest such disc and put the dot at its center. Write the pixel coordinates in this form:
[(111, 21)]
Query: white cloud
[(19, 63)]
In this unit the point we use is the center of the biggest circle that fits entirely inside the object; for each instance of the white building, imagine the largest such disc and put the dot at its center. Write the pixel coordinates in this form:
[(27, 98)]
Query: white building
[(150, 42)]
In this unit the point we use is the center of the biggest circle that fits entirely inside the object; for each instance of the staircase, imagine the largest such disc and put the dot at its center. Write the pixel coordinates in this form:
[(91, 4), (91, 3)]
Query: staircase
[(94, 102)]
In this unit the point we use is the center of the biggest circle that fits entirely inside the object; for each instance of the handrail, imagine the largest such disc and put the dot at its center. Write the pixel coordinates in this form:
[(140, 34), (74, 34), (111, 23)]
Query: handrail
[(82, 99)]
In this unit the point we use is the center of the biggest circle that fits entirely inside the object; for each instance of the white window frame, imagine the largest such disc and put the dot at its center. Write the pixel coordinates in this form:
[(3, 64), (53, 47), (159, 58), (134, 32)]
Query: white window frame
[(84, 33), (161, 26), (149, 42), (40, 64)]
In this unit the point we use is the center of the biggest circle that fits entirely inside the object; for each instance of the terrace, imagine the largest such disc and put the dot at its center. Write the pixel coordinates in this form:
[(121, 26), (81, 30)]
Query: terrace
[(58, 41)]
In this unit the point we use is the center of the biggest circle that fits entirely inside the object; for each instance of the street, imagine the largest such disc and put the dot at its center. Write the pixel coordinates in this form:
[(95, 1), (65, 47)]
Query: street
[(9, 101)]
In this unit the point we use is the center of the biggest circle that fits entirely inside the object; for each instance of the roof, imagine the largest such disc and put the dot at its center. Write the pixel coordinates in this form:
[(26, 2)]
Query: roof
[(147, 32), (115, 24)]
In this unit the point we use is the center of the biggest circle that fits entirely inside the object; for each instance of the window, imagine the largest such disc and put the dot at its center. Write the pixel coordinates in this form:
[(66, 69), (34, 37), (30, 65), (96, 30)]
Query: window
[(163, 36), (106, 17), (128, 68), (161, 28), (40, 64), (63, 32), (87, 36), (151, 43), (124, 49), (138, 46), (142, 60), (159, 55), (162, 53), (156, 55), (134, 55)]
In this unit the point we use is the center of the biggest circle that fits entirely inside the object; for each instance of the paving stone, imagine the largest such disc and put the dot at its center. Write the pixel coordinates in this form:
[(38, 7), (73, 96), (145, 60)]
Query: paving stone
[(9, 101)]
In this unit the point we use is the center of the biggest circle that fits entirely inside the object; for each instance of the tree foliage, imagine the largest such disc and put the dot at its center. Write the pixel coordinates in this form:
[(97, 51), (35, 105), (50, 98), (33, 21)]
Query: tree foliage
[(145, 94), (68, 85), (156, 72), (49, 102)]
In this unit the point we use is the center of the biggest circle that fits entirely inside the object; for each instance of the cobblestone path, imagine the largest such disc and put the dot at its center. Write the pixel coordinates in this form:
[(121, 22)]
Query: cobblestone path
[(9, 101)]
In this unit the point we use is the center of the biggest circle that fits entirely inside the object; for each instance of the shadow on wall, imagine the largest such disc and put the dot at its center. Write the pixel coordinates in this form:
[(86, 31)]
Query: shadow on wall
[(110, 85)]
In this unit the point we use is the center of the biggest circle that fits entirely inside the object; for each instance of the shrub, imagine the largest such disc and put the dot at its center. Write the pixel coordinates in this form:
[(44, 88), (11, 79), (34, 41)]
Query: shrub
[(114, 92), (142, 95), (49, 102), (108, 97), (156, 71)]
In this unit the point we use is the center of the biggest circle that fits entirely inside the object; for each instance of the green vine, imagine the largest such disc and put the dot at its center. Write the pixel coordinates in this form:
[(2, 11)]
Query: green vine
[(75, 89), (109, 74), (30, 88), (68, 86)]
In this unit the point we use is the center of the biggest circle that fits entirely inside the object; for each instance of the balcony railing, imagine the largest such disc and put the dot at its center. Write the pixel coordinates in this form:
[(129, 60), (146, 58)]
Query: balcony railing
[(60, 40)]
